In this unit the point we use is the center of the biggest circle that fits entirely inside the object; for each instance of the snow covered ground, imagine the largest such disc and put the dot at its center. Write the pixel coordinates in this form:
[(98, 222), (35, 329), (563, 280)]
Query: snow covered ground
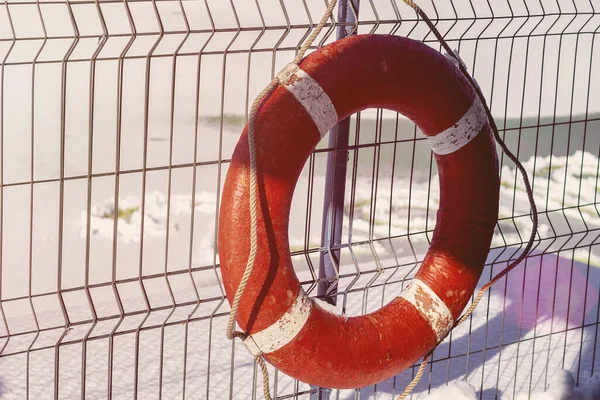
[(535, 348), (535, 324), (562, 387)]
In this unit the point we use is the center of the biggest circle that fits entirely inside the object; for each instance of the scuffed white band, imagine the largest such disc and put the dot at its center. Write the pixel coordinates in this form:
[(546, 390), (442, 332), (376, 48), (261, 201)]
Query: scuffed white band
[(462, 132), (430, 306), (284, 330), (312, 96)]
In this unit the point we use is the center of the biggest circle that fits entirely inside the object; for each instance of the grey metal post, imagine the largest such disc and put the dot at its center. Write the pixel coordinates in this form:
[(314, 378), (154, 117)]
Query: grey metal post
[(335, 186), (335, 178)]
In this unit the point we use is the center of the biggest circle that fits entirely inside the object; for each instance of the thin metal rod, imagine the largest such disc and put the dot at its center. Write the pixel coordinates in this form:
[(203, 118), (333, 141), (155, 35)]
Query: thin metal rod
[(335, 179)]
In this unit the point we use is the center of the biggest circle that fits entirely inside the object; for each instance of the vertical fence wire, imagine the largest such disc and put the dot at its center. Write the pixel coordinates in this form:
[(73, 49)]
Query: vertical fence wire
[(117, 120)]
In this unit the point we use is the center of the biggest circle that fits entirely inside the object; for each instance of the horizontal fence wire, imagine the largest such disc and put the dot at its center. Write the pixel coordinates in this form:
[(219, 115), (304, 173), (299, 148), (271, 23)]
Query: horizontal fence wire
[(117, 123)]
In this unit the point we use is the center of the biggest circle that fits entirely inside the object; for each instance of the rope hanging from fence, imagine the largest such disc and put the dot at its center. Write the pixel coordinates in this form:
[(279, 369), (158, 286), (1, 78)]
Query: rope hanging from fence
[(524, 176), (231, 333)]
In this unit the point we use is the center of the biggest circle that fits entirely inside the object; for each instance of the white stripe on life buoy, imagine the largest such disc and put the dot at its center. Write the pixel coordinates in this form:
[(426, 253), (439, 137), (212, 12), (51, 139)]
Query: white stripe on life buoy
[(461, 133), (430, 306), (284, 330), (314, 99)]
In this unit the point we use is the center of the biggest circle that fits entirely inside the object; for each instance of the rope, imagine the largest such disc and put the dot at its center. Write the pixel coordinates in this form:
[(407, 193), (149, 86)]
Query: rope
[(265, 373), (231, 334), (415, 380), (519, 166)]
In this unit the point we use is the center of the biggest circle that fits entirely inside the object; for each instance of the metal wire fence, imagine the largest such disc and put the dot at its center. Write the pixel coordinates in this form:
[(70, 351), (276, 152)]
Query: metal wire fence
[(117, 119)]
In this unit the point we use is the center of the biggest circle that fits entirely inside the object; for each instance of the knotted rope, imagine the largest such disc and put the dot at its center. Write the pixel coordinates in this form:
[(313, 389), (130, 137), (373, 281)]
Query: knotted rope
[(290, 69)]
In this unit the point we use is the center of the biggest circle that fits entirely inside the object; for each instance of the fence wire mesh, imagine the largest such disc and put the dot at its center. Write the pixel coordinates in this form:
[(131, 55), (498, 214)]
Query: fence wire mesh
[(117, 121)]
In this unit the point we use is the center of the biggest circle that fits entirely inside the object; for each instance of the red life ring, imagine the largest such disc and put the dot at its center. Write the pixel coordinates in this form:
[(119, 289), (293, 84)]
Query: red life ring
[(292, 332)]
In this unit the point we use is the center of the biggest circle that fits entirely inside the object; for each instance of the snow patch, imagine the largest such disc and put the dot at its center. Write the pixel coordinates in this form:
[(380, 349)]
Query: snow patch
[(330, 308), (456, 390), (560, 183), (157, 211), (563, 387)]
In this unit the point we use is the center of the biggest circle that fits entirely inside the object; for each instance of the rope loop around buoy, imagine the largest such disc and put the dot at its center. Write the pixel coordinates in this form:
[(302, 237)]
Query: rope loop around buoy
[(281, 77)]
